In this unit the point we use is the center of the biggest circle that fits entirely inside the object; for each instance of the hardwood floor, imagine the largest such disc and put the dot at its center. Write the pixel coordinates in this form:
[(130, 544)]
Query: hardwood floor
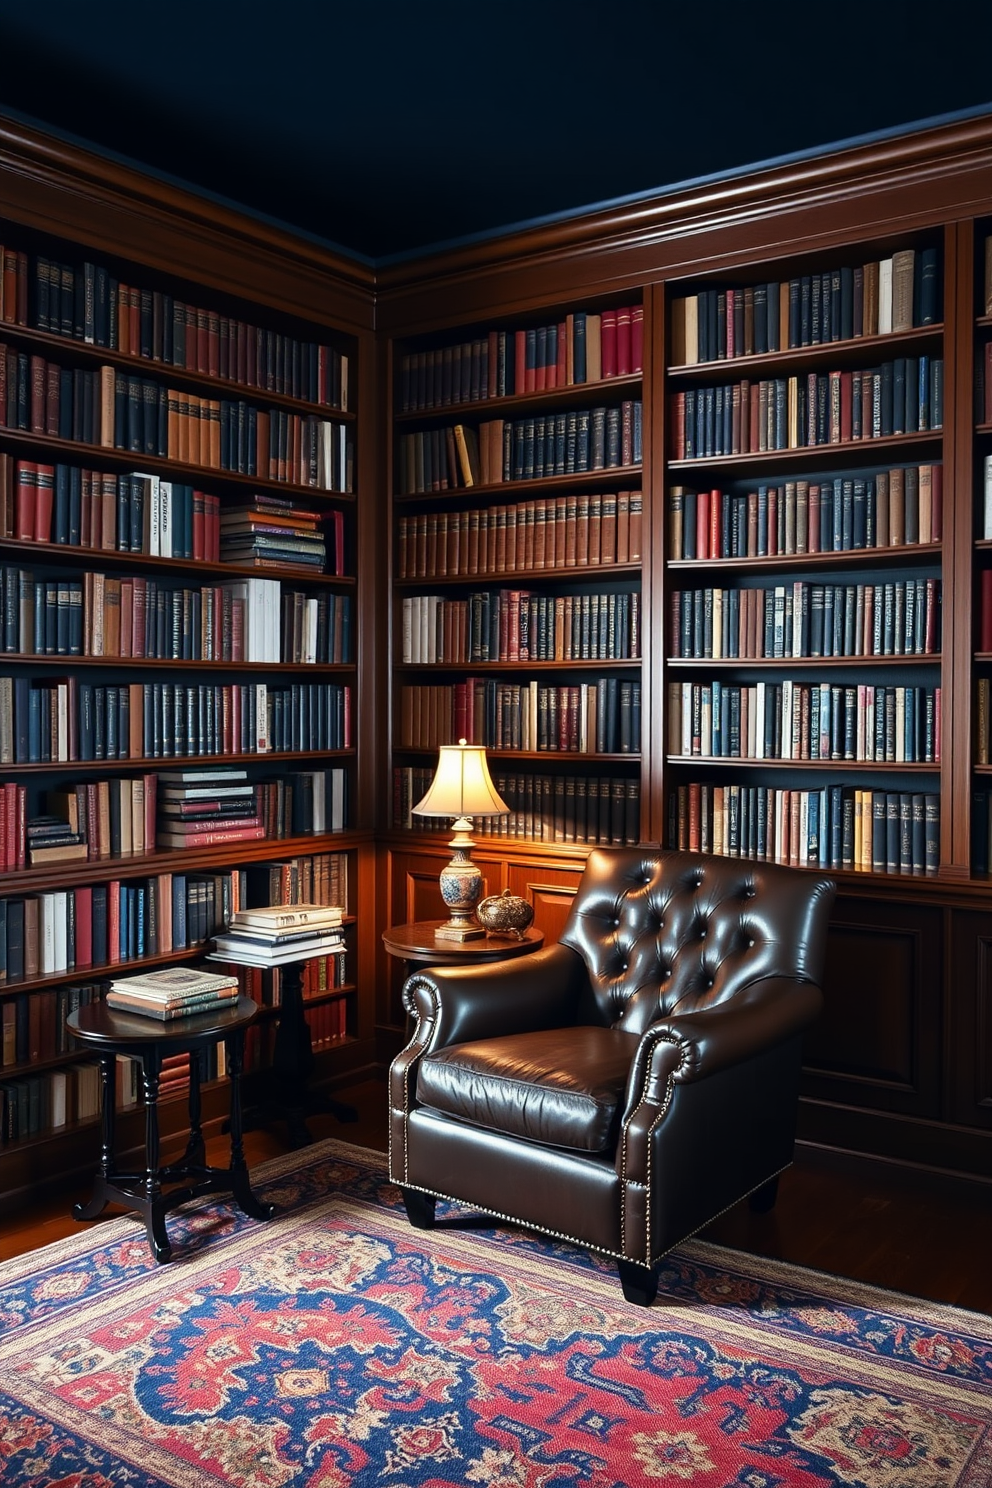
[(929, 1239)]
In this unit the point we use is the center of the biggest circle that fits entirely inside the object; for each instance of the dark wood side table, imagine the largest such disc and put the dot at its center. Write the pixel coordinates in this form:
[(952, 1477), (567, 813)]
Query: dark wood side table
[(287, 1092), (107, 1033), (415, 944)]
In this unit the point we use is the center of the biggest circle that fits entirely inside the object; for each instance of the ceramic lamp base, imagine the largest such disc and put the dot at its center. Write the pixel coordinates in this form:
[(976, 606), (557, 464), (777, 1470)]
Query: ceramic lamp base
[(460, 882)]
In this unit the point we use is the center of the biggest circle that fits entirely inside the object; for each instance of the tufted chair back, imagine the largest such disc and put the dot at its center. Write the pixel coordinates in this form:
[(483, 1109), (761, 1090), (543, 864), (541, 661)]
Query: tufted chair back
[(667, 932)]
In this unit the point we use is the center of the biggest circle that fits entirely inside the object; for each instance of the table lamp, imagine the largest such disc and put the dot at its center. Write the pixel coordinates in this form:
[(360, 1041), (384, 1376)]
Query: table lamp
[(461, 788)]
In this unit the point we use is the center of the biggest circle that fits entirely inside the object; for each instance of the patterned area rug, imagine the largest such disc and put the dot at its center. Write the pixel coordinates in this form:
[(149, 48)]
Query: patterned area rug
[(335, 1346)]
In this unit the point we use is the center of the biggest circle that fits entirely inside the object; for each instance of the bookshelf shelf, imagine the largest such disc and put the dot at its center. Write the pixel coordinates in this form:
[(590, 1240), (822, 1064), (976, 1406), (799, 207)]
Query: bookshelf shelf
[(65, 348), (848, 352), (574, 395)]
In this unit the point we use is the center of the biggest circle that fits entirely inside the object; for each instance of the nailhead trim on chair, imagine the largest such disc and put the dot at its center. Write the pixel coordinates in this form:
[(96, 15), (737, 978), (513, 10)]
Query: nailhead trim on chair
[(423, 1027), (614, 1255), (659, 1037)]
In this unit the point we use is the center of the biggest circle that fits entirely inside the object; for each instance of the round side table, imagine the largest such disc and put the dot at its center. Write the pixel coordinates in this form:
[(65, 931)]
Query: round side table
[(415, 944), (107, 1032)]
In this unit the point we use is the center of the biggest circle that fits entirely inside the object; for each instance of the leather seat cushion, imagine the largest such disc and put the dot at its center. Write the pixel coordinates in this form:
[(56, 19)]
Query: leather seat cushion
[(562, 1086)]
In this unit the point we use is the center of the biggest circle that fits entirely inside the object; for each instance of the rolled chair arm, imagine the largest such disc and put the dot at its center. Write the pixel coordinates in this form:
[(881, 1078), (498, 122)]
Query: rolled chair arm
[(686, 1047), (758, 1017), (453, 1004)]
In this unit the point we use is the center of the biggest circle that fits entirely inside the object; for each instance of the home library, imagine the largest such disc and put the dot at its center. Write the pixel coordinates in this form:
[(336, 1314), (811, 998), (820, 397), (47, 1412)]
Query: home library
[(179, 558), (842, 546)]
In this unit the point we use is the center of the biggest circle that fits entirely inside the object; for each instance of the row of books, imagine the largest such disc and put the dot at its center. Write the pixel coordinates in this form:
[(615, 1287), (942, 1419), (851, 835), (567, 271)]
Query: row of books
[(890, 294), (587, 346), (64, 719), (802, 619), (601, 717), (103, 614), (793, 720), (798, 412), (37, 1104), (129, 816), (87, 302), (123, 921), (837, 514), (139, 513), (204, 807), (304, 803), (106, 407), (108, 924), (319, 975), (129, 513), (514, 625), (314, 878), (502, 450), (594, 809), (84, 822), (833, 827), (544, 533), (32, 1024)]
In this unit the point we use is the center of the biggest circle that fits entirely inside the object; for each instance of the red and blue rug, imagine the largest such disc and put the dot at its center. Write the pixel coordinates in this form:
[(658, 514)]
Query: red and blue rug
[(335, 1347)]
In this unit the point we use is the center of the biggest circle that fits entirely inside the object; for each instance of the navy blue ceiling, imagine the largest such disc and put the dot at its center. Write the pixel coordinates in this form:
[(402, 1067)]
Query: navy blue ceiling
[(387, 127)]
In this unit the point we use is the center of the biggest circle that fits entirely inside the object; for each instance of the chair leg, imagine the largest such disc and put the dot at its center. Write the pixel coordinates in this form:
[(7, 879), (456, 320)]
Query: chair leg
[(419, 1208), (639, 1283), (762, 1200)]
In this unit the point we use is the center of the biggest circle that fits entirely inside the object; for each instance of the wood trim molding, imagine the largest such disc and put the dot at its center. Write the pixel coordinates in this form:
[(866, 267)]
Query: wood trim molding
[(861, 190), (53, 186)]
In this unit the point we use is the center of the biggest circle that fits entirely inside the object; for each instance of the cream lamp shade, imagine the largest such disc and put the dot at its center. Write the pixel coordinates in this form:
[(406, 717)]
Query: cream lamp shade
[(462, 788)]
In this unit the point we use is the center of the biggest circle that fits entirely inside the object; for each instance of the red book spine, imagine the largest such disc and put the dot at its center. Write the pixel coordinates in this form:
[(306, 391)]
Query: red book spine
[(10, 826), (703, 525), (24, 510), (625, 360), (43, 498), (716, 523), (985, 637), (21, 828), (84, 926)]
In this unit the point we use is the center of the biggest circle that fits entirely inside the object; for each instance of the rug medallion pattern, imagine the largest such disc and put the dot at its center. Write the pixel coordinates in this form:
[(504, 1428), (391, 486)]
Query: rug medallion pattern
[(335, 1347)]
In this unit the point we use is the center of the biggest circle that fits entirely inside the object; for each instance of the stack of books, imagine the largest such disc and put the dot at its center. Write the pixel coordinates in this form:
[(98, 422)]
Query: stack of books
[(206, 807), (51, 839), (173, 992), (280, 934), (272, 533)]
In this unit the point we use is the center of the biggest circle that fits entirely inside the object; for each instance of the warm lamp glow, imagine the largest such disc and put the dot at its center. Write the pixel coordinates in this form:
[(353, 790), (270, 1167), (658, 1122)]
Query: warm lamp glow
[(461, 788)]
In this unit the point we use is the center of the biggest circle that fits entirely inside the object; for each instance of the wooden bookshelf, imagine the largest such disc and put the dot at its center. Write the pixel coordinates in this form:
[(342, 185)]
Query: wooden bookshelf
[(280, 356)]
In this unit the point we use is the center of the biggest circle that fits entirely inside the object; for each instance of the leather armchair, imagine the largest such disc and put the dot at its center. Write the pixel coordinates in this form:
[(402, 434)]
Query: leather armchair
[(622, 1088)]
